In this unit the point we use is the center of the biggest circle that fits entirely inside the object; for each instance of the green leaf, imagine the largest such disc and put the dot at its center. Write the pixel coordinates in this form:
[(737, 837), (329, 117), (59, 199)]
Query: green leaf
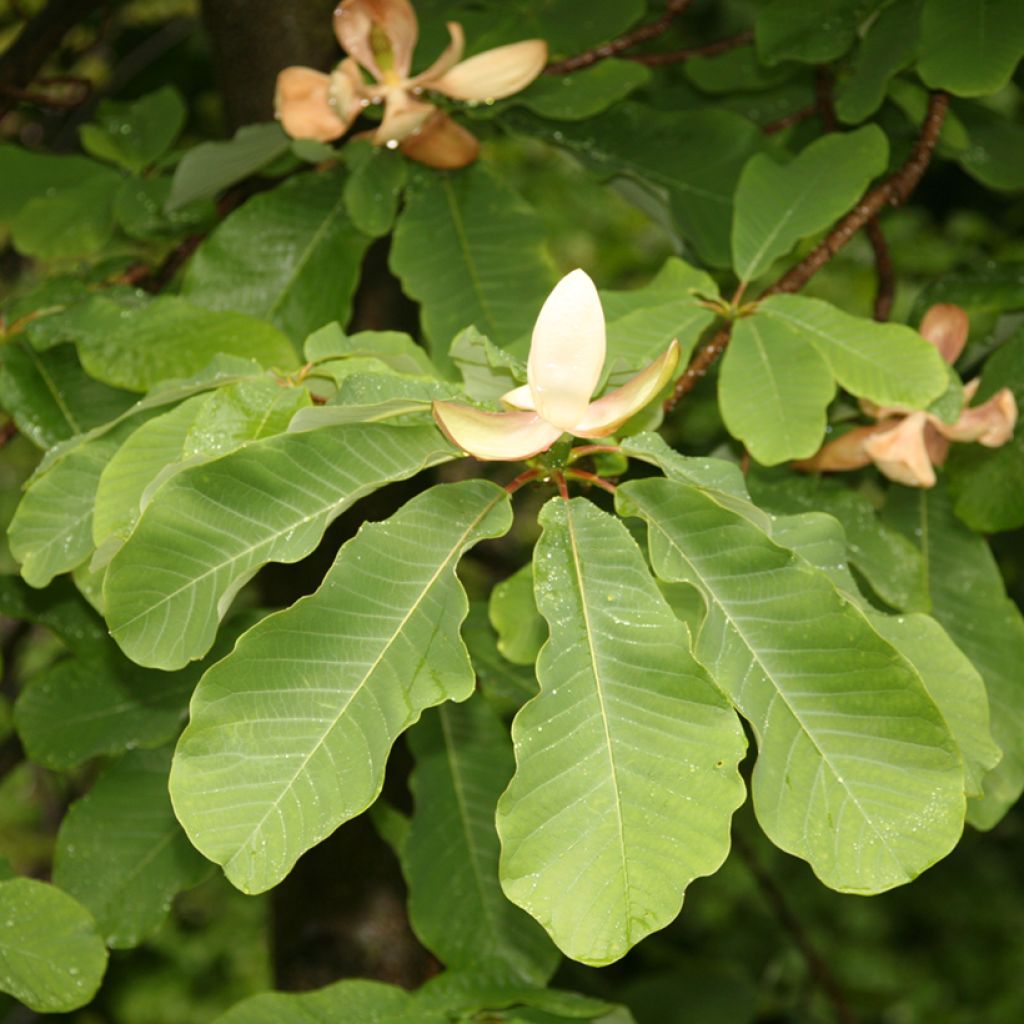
[(777, 205), (887, 363), (140, 209), (75, 221), (345, 1002), (569, 28), (506, 685), (51, 531), (312, 699), (970, 47), (376, 397), (737, 70), (488, 372), (59, 608), (121, 851), (857, 772), (995, 154), (987, 288), (969, 600), (201, 428), (103, 704), (583, 93), (471, 252), (27, 174), (134, 135), (987, 484), (374, 189), (464, 760), (51, 958), (693, 157), (641, 322), (317, 252), (773, 389), (811, 33), (513, 613), (212, 166), (52, 398), (211, 527), (626, 761), (888, 46), (395, 349), (137, 347)]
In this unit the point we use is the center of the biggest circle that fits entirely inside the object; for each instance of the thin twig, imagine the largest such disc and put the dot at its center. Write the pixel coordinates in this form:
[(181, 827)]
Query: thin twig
[(641, 34), (524, 478), (884, 269), (819, 969), (789, 120), (591, 478), (7, 432), (591, 449), (81, 91), (715, 49), (893, 191), (563, 490)]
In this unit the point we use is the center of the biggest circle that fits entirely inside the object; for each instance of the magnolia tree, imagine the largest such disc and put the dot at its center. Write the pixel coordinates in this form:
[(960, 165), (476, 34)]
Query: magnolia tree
[(660, 507)]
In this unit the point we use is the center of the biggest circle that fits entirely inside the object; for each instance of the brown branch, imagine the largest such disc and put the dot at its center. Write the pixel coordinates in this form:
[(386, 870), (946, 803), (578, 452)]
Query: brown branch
[(789, 120), (36, 44), (884, 269), (893, 191), (819, 969), (715, 49), (80, 91), (641, 34)]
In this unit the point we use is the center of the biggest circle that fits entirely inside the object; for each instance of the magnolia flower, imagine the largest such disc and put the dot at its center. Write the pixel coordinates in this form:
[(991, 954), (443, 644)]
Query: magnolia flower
[(906, 446), (566, 356), (380, 36)]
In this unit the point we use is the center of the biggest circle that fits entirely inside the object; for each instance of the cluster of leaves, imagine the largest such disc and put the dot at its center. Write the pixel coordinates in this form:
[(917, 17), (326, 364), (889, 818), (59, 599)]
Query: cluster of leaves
[(204, 399)]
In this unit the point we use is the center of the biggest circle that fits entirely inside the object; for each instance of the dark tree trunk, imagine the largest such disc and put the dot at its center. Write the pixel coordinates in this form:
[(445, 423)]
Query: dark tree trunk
[(254, 39)]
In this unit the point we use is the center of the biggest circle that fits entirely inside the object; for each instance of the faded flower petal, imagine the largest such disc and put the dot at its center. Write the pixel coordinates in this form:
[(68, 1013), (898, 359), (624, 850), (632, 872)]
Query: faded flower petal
[(946, 326), (395, 20), (519, 398), (845, 452), (990, 423), (567, 351), (441, 143), (497, 436), (302, 102), (607, 414), (901, 451), (450, 56), (495, 73), (403, 115)]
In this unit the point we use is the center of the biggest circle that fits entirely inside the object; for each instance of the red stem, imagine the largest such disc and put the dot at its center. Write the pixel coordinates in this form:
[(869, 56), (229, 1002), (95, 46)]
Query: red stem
[(591, 478)]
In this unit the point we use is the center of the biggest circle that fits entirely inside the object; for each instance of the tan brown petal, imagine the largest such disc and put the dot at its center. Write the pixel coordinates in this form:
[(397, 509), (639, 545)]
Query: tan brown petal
[(302, 102), (990, 423), (403, 116), (354, 22), (901, 451), (495, 73), (450, 56), (441, 143), (845, 452), (946, 326)]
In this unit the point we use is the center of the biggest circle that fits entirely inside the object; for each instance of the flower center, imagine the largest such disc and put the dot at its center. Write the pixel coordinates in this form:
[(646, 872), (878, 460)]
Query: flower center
[(383, 55)]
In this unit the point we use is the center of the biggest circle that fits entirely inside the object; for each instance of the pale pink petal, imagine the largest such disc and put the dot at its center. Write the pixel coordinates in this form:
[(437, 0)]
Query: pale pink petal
[(567, 351), (946, 326), (901, 452), (302, 103), (845, 452), (607, 414), (440, 142), (403, 115), (519, 398), (990, 423), (450, 56), (496, 436), (395, 20), (496, 73)]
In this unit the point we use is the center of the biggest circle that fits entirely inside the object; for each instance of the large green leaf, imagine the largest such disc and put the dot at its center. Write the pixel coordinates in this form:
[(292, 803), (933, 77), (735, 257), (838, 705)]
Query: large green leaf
[(857, 772), (626, 761), (136, 344), (584, 93), (51, 957), (312, 699), (693, 157), (812, 33), (121, 851), (290, 256), (968, 597), (374, 188), (211, 527), (345, 1002), (27, 174), (970, 47), (887, 363), (50, 397), (777, 205), (60, 608), (773, 390), (513, 612), (450, 859), (471, 252), (506, 685)]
